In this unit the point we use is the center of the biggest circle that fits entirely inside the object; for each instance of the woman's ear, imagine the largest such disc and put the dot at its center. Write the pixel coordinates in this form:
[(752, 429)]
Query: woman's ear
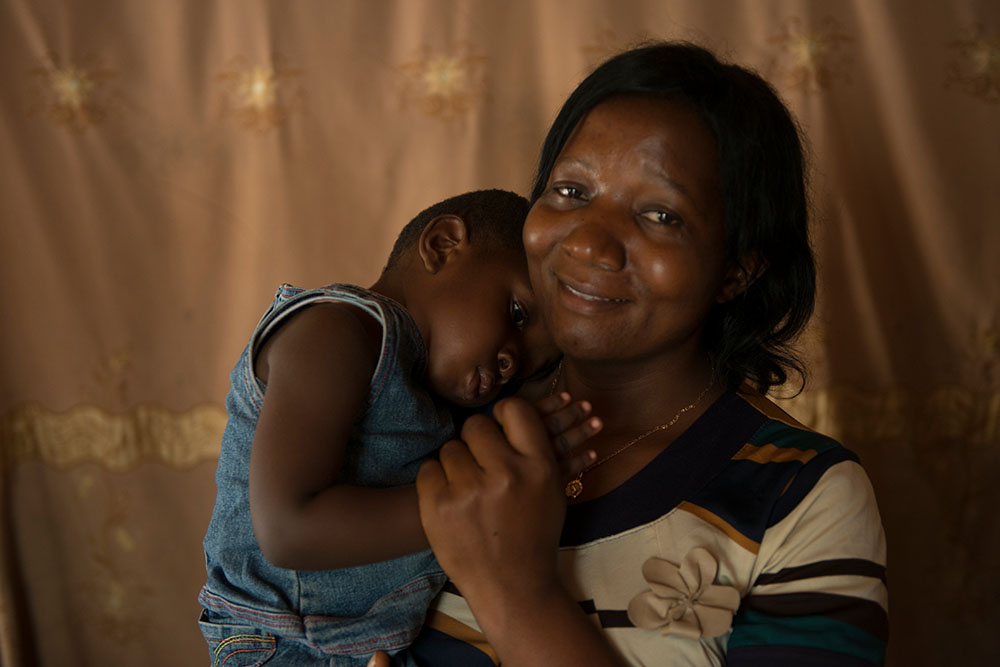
[(442, 238), (740, 276)]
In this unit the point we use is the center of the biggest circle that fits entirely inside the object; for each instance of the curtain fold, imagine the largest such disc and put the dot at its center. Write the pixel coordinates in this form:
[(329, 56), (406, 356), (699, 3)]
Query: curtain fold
[(167, 165)]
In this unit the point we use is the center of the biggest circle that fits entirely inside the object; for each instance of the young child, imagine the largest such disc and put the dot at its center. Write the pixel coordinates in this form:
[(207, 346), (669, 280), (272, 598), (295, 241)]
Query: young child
[(315, 553)]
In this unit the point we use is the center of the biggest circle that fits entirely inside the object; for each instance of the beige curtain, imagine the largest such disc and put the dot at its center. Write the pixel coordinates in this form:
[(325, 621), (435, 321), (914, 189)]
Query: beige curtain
[(165, 165)]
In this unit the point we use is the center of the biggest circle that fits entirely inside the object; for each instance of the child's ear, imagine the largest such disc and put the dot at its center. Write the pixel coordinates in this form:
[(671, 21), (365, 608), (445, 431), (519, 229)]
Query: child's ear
[(740, 276), (441, 239)]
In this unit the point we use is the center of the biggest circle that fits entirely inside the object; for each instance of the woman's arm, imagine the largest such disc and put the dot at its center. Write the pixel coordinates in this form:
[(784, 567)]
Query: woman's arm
[(493, 509), (820, 597)]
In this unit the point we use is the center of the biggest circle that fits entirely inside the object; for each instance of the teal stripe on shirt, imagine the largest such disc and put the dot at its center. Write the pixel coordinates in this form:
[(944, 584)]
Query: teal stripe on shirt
[(783, 436), (751, 628)]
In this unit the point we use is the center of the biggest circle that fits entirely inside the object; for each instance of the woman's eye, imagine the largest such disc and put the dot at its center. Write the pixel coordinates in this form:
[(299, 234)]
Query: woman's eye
[(662, 218), (568, 191), (518, 314)]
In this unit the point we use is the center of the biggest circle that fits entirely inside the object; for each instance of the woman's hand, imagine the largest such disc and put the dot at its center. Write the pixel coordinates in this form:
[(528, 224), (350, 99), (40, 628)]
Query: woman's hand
[(492, 508)]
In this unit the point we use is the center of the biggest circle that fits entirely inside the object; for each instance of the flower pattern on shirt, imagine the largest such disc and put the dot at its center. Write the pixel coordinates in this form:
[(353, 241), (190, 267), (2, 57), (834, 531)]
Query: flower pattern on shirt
[(684, 599)]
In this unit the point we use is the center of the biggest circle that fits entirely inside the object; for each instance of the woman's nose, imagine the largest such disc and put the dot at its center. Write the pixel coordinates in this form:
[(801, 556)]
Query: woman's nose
[(595, 242)]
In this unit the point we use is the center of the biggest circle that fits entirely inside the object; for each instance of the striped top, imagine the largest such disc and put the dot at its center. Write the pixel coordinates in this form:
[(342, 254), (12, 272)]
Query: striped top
[(782, 514)]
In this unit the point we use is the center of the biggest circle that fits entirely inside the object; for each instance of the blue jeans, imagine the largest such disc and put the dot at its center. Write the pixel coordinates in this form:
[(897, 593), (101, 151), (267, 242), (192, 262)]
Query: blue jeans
[(234, 645)]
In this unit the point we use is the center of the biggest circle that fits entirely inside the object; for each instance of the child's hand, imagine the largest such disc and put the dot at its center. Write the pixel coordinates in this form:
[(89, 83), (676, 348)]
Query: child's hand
[(569, 424)]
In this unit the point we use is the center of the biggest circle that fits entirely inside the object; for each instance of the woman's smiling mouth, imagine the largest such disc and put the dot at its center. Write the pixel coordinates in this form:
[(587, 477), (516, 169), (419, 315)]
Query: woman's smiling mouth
[(584, 299), (590, 297)]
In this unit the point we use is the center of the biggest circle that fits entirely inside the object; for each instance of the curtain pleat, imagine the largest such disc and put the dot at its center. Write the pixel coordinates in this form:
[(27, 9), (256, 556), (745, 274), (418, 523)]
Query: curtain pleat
[(166, 165)]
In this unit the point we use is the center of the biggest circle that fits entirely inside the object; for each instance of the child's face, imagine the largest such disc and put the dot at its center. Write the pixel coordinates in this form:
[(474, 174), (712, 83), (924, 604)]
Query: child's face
[(482, 329)]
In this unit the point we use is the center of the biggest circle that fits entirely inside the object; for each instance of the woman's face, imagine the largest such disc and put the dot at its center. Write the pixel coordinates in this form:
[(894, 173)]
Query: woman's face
[(625, 247)]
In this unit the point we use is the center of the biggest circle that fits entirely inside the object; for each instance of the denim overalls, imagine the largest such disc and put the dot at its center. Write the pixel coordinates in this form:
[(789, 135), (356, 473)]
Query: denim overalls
[(256, 613)]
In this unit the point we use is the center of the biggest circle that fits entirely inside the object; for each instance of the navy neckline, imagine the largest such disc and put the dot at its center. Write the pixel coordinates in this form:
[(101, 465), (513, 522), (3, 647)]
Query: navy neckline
[(695, 457)]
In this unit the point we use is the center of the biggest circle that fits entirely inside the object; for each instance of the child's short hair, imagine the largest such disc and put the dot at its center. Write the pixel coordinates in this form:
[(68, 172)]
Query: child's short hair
[(494, 218), (764, 193)]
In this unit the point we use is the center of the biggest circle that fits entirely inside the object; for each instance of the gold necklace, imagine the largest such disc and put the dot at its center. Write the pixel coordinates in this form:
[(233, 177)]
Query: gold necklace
[(555, 380), (575, 487)]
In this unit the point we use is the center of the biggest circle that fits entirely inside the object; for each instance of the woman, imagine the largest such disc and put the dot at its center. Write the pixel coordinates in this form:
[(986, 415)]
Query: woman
[(669, 252)]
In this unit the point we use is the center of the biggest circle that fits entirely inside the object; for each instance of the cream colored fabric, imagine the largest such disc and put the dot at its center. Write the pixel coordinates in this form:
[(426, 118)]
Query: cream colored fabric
[(684, 599), (165, 165)]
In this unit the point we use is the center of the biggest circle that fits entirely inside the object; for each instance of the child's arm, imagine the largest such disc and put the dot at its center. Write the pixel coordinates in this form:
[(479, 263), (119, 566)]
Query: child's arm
[(318, 367)]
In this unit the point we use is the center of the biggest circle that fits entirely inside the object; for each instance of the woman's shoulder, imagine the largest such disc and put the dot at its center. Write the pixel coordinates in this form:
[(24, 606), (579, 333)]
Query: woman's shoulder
[(780, 439), (776, 464)]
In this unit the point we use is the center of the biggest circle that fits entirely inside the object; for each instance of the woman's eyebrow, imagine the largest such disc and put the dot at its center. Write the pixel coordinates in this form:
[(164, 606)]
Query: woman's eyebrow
[(651, 166), (651, 160), (656, 171), (574, 162)]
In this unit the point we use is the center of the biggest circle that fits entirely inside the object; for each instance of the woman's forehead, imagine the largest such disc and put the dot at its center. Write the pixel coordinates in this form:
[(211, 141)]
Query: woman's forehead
[(627, 116), (666, 139)]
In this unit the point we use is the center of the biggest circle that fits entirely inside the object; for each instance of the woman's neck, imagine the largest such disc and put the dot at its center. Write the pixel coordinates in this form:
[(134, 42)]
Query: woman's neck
[(631, 397)]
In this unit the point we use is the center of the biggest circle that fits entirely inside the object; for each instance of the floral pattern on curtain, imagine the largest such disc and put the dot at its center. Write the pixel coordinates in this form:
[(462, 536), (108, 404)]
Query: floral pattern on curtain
[(167, 164)]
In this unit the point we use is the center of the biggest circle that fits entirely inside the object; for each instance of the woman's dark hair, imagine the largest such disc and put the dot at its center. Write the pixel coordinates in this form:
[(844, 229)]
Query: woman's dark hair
[(763, 183)]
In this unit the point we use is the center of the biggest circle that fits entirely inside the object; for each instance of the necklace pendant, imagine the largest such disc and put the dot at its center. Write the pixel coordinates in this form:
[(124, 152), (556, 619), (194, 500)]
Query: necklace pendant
[(575, 487)]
